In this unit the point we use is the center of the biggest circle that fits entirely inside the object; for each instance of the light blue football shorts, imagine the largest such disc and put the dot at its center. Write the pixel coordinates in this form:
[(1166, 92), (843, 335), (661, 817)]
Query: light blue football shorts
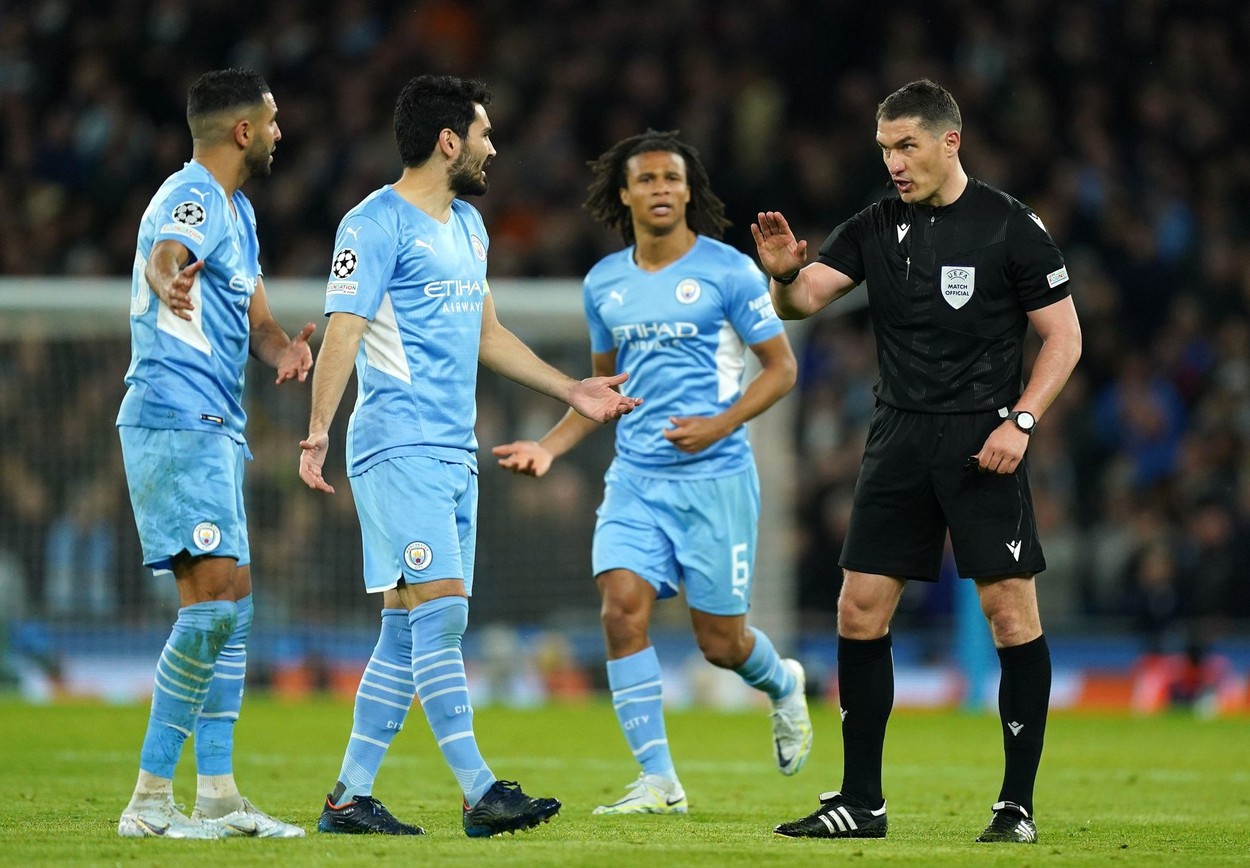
[(186, 489), (699, 531), (418, 521)]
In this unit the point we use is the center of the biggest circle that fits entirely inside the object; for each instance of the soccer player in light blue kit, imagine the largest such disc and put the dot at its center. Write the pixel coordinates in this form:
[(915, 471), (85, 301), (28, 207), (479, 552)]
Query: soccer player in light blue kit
[(676, 309), (411, 309), (197, 309)]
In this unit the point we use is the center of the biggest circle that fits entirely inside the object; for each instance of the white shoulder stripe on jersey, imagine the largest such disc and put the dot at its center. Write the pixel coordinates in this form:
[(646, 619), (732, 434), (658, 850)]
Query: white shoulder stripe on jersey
[(190, 333), (384, 349)]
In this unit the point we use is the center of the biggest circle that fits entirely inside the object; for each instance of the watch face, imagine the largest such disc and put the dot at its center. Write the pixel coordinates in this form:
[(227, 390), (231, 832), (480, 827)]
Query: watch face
[(1025, 420)]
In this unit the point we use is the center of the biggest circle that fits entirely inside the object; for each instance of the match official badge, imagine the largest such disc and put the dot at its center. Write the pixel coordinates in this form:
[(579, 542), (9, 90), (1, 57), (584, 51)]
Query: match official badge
[(207, 536), (479, 249), (418, 556), (688, 291), (958, 284)]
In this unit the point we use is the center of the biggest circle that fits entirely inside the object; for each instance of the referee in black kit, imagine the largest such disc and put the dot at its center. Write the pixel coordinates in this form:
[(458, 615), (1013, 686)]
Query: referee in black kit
[(956, 272)]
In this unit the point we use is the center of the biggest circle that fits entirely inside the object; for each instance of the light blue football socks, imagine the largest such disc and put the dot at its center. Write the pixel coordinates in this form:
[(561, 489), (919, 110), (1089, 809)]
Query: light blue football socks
[(214, 728), (763, 669), (183, 676), (382, 703), (438, 673), (637, 697)]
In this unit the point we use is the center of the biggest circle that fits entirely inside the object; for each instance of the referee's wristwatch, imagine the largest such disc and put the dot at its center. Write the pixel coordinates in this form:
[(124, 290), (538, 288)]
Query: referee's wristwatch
[(1024, 420)]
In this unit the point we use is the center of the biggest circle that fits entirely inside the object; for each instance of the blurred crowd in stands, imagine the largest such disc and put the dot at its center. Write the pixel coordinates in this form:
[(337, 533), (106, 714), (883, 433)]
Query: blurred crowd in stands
[(1120, 122)]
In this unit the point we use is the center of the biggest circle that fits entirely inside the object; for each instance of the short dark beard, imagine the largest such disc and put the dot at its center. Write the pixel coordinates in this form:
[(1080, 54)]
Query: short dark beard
[(258, 165), (462, 181)]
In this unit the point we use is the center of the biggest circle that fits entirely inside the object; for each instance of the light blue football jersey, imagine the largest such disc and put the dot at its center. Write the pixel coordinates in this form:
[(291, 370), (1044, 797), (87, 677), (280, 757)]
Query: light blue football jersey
[(421, 284), (189, 375), (681, 333)]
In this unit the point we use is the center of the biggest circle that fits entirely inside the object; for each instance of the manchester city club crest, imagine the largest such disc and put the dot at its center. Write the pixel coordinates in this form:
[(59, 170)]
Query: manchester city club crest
[(688, 290), (418, 556), (479, 249), (958, 284), (206, 535)]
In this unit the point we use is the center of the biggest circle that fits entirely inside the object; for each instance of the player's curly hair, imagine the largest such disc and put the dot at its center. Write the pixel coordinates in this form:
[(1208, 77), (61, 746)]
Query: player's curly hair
[(706, 212)]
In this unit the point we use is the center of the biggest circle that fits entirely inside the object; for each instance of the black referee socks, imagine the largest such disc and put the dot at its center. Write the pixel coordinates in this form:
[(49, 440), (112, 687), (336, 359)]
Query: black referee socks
[(866, 693), (1023, 700)]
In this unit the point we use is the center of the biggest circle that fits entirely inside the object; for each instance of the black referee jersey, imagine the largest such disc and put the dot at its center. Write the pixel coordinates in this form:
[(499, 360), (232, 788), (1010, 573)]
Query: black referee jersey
[(949, 289)]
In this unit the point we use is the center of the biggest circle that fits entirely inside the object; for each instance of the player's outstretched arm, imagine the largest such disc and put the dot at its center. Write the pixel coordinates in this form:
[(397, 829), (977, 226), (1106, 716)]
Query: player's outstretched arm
[(504, 353), (535, 457), (526, 457), (597, 398), (290, 357), (335, 362)]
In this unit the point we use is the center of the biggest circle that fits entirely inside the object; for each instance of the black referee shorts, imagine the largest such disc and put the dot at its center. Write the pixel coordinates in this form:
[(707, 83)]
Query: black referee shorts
[(916, 482)]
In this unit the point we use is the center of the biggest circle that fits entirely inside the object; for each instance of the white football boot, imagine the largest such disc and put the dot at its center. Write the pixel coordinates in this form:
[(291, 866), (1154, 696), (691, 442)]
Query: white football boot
[(248, 821), (792, 724), (161, 819), (650, 794)]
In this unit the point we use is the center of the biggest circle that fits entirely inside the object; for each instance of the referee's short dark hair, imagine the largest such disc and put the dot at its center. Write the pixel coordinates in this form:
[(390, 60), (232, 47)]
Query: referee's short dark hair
[(926, 100)]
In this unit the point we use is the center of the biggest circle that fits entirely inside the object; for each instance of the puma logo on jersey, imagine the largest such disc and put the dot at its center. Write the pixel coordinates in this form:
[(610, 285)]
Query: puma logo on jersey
[(197, 191), (902, 231), (352, 232), (619, 296), (1014, 548), (420, 242)]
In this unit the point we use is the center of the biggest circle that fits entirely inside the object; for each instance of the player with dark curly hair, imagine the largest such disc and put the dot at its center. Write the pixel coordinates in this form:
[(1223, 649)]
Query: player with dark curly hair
[(677, 310)]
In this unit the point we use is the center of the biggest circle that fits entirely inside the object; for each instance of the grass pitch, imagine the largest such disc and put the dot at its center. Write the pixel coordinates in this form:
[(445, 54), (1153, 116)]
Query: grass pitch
[(1112, 790)]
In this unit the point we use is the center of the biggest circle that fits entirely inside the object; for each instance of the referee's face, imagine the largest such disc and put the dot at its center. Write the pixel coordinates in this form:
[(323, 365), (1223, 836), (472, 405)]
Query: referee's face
[(919, 162)]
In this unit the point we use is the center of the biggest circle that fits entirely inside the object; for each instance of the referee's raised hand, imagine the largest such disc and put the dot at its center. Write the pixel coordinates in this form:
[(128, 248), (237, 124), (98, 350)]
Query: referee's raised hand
[(781, 254)]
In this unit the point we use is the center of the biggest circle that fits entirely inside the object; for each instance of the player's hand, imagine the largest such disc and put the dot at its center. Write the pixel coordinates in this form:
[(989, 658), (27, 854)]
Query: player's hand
[(311, 459), (177, 295), (693, 434), (1003, 450), (296, 360), (780, 253), (597, 398), (527, 457)]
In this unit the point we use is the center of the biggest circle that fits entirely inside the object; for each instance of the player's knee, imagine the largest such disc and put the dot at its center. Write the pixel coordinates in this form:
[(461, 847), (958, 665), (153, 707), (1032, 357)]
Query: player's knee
[(726, 652), (618, 618), (446, 618)]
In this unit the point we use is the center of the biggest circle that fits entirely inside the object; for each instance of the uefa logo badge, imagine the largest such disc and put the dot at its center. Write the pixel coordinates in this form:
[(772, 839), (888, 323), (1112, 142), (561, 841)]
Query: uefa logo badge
[(479, 249), (688, 291), (418, 556), (189, 213), (344, 263), (207, 536)]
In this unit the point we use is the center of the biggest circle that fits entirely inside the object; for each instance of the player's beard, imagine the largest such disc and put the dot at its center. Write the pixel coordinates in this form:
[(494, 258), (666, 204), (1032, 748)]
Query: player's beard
[(466, 180), (257, 161)]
